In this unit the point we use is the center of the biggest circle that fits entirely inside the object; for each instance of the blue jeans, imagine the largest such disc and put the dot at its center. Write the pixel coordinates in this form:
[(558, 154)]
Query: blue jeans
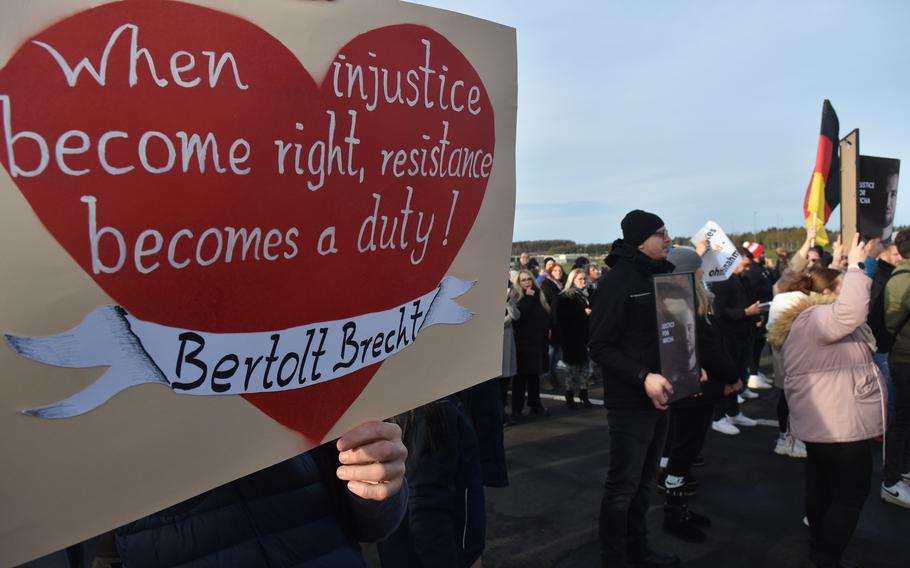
[(636, 442)]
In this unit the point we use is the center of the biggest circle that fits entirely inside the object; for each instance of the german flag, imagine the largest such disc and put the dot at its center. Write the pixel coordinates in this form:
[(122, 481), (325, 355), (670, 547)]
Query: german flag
[(823, 193)]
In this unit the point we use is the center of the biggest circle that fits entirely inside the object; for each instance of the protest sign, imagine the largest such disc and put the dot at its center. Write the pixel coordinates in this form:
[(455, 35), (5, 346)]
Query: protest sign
[(722, 257), (876, 197), (267, 207), (674, 296)]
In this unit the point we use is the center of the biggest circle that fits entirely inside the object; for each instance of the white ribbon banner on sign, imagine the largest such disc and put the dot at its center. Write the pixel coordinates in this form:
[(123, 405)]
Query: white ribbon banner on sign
[(201, 363), (722, 257)]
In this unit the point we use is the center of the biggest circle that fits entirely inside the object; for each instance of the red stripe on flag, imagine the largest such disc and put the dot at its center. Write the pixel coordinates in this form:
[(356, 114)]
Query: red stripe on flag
[(823, 156)]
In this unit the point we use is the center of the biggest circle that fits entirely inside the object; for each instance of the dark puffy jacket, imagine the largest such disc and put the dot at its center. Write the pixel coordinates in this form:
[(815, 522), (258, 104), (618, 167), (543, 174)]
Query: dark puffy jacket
[(731, 298), (446, 522), (623, 326), (572, 323), (531, 335), (288, 515)]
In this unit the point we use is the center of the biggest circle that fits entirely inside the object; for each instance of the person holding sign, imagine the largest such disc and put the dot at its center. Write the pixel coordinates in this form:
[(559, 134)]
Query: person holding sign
[(738, 312), (623, 343), (836, 402), (690, 417)]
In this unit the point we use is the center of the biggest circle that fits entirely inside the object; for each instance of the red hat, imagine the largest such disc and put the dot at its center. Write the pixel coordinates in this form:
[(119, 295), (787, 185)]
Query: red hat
[(755, 248)]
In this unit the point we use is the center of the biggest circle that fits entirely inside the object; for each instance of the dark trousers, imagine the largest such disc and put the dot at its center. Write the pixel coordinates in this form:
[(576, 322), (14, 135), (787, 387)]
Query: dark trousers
[(837, 484), (520, 383), (783, 413), (740, 350), (897, 443), (686, 437), (635, 444)]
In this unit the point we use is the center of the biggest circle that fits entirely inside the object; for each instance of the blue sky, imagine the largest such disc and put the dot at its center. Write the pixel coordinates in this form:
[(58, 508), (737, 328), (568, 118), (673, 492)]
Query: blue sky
[(694, 110)]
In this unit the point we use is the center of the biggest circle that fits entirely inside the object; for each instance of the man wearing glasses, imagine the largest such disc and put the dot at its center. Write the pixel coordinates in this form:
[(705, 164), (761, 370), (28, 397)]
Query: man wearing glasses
[(624, 342)]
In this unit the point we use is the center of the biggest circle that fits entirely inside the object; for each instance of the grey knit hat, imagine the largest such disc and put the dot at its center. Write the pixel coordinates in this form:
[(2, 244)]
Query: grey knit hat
[(684, 259)]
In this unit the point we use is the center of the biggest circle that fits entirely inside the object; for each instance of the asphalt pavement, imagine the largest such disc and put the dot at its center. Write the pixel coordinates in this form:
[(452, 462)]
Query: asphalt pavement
[(547, 517)]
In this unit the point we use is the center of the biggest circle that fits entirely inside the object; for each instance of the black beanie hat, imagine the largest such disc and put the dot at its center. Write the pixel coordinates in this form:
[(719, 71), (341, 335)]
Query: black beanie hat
[(638, 225)]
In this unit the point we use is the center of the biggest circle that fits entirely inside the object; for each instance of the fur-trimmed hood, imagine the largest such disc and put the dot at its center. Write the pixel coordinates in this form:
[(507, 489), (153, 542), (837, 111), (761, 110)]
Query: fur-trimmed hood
[(778, 332)]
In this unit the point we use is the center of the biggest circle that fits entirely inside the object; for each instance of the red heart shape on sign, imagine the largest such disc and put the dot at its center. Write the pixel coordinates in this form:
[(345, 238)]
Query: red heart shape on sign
[(148, 136)]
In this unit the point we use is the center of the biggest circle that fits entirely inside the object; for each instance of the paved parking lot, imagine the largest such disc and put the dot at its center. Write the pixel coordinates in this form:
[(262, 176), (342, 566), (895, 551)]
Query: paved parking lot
[(547, 517)]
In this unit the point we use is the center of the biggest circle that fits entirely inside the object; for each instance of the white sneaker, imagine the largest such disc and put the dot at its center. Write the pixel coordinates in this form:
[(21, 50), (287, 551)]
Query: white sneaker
[(747, 394), (798, 449), (784, 445), (724, 426), (806, 521), (742, 420), (906, 477), (740, 399), (759, 382), (899, 494)]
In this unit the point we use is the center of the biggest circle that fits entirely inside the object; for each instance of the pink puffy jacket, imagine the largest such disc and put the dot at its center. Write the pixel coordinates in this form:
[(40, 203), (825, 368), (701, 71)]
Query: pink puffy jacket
[(833, 388)]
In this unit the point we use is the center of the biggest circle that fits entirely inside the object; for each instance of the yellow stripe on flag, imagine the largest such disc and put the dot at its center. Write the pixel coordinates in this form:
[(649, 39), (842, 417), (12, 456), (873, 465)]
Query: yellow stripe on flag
[(816, 208)]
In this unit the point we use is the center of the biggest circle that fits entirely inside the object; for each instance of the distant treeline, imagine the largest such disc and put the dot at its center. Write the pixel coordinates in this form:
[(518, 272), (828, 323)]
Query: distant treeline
[(559, 246), (789, 238)]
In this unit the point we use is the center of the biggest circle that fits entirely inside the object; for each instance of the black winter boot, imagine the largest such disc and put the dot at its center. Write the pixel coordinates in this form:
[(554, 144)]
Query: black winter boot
[(570, 400), (678, 520), (583, 395)]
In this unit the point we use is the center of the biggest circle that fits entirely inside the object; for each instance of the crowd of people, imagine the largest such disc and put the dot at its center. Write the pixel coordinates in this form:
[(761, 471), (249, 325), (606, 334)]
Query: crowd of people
[(834, 324), (835, 327)]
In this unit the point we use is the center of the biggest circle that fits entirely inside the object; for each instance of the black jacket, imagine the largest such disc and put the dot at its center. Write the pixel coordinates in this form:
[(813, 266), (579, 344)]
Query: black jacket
[(882, 274), (761, 280), (572, 327), (551, 292), (875, 320), (531, 335), (293, 514), (446, 522), (623, 326), (731, 298)]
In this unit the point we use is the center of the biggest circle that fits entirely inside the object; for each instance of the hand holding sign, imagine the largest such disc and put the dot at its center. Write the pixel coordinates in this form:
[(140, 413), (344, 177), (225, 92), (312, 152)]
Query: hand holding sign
[(372, 457), (858, 252), (658, 389)]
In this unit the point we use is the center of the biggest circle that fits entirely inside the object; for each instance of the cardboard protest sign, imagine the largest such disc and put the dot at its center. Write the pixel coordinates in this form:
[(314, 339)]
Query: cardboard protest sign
[(230, 230), (876, 197), (674, 296), (849, 187), (722, 257)]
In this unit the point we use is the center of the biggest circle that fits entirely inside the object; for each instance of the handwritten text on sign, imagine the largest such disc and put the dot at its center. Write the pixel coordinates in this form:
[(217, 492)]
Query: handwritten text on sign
[(203, 179)]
